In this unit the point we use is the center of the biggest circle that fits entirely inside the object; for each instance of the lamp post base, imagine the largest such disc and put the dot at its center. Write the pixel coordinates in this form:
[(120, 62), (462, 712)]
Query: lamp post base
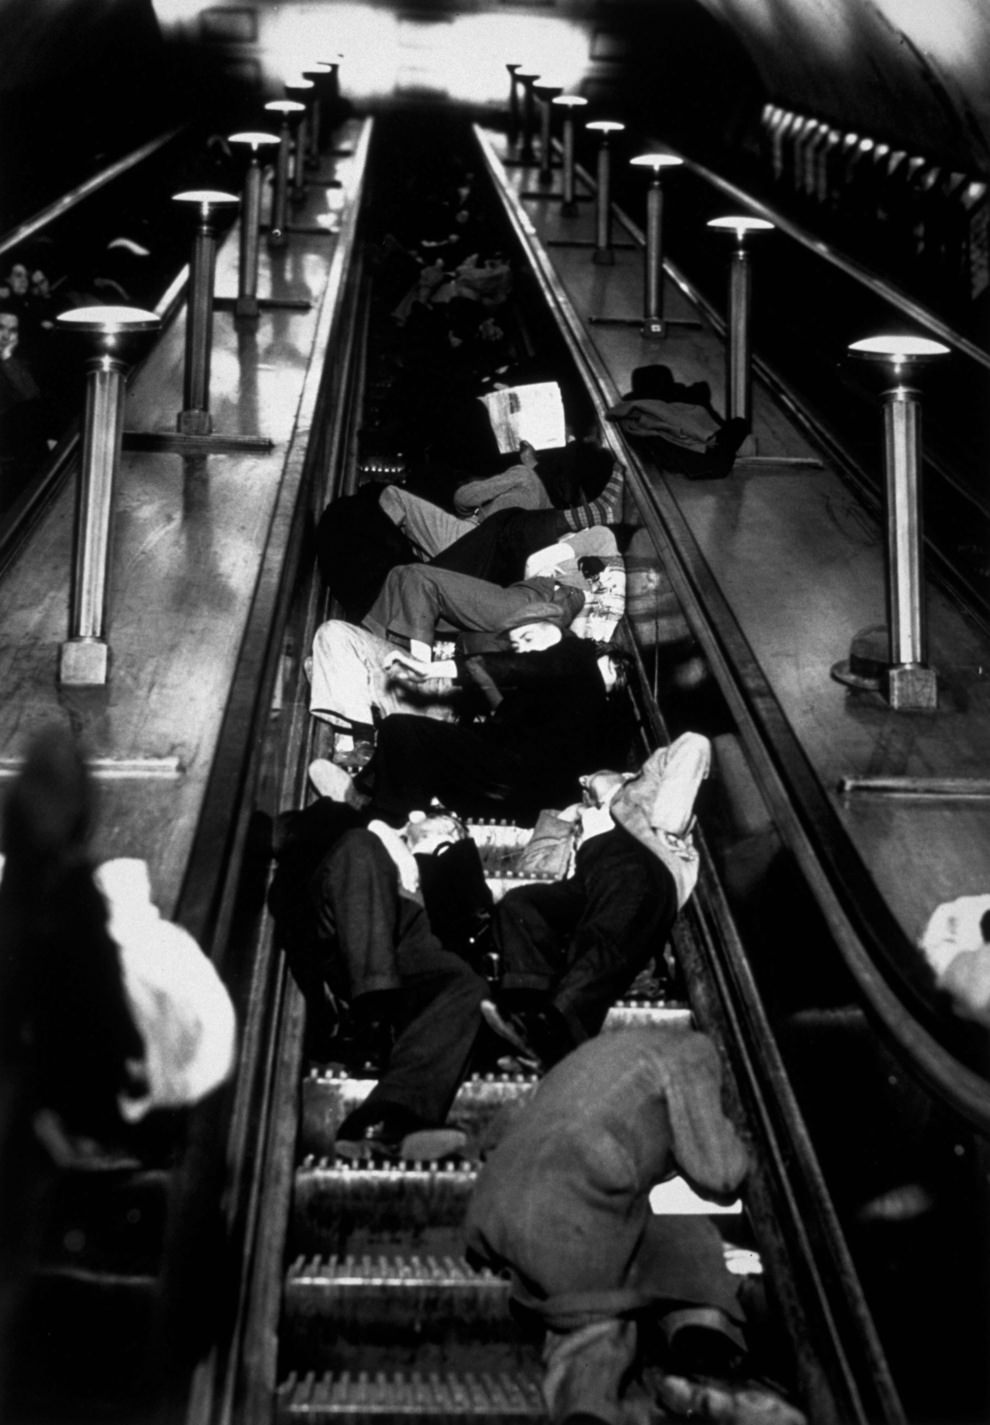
[(84, 663), (911, 687)]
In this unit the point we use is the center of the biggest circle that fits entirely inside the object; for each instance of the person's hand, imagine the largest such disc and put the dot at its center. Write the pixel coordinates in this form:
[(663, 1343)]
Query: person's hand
[(402, 665)]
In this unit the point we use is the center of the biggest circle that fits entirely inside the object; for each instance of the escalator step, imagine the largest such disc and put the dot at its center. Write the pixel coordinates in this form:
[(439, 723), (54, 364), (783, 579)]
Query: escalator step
[(416, 1287), (330, 1094), (403, 1398), (332, 1199), (419, 1311)]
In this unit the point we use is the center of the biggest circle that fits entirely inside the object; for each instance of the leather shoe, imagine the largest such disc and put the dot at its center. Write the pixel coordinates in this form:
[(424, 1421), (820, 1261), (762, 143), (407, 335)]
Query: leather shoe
[(539, 1036)]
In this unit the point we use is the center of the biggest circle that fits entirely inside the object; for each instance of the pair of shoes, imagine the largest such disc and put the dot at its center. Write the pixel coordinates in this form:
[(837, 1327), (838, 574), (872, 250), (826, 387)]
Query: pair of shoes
[(396, 1135), (513, 1029), (539, 1036), (703, 1342), (728, 1402), (353, 758), (329, 780)]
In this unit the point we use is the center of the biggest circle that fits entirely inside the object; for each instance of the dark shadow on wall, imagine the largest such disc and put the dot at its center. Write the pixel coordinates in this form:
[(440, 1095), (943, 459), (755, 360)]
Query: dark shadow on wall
[(83, 82), (675, 72)]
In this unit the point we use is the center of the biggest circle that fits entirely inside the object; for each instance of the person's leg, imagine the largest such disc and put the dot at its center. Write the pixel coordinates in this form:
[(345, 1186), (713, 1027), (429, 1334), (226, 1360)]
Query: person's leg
[(587, 1374), (629, 906), (497, 548), (355, 898), (531, 926), (347, 681), (680, 1264), (427, 526), (438, 1025), (519, 487), (416, 597)]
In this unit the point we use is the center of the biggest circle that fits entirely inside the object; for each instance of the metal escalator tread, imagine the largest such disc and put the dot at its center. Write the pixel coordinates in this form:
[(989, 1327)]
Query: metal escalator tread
[(453, 1397), (329, 1092), (420, 1275), (331, 1194)]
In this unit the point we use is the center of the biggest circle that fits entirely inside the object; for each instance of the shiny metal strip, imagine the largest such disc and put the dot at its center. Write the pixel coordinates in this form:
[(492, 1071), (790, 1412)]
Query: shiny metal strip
[(92, 185)]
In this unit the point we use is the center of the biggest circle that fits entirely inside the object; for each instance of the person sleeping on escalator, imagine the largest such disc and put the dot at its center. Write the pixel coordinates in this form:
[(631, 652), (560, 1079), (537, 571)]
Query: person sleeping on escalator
[(384, 928), (546, 718)]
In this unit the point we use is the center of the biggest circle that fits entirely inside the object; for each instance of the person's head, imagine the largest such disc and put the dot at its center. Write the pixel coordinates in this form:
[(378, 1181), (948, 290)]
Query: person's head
[(533, 636), (40, 285), (10, 331), (599, 788), (558, 611), (18, 279), (427, 831)]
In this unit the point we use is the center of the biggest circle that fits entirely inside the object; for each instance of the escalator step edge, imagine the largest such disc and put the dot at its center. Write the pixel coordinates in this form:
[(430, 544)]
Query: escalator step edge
[(387, 1397)]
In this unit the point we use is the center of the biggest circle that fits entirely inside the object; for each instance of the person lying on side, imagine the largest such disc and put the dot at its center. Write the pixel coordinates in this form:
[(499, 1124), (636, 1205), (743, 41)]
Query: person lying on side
[(549, 705)]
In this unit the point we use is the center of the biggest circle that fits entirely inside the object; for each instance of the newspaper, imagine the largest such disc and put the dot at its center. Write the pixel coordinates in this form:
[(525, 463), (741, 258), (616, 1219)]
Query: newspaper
[(532, 413)]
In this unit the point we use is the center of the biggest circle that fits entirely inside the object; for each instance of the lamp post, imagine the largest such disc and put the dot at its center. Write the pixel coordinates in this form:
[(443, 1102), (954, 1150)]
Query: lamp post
[(738, 369), (546, 92), (247, 272), (320, 76), (908, 682), (113, 338), (288, 111), (195, 418), (513, 129), (569, 103), (605, 128), (301, 92), (527, 78), (653, 322)]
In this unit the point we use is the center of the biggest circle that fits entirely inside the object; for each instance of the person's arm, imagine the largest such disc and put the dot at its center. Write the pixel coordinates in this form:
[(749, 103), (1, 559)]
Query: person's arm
[(515, 670), (405, 667)]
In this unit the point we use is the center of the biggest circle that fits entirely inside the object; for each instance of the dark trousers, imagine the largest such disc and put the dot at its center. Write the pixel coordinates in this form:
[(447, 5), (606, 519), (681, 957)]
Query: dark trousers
[(377, 939), (584, 940), (497, 548), (418, 758)]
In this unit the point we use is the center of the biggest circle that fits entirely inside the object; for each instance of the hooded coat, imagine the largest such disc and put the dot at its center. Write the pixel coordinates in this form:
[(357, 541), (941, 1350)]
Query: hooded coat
[(564, 1198)]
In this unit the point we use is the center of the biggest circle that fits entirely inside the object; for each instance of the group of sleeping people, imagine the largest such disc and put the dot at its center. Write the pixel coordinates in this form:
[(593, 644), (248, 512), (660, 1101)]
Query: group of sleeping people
[(469, 674)]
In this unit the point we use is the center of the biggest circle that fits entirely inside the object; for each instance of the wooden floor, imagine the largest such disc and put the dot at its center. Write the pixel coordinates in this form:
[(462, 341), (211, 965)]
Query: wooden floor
[(799, 562), (189, 536)]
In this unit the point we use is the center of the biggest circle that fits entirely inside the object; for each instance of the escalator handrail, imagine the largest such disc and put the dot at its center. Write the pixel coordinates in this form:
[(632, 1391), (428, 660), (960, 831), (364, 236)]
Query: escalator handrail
[(858, 271), (86, 189), (231, 1382)]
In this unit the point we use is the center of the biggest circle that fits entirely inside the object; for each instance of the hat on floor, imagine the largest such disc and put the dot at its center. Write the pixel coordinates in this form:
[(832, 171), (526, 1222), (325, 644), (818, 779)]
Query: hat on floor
[(562, 609)]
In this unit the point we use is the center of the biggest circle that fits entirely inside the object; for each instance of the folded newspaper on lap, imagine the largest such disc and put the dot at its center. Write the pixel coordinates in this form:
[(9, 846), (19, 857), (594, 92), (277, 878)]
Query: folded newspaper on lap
[(532, 413)]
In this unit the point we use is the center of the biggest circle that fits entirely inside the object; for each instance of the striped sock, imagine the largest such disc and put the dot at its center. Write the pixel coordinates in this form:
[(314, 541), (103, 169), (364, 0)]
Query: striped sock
[(603, 509)]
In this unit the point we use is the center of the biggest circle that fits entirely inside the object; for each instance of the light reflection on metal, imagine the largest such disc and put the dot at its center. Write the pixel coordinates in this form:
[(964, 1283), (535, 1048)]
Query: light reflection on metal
[(604, 128), (546, 91), (302, 92), (909, 683), (527, 79), (570, 103), (247, 272), (194, 418), (112, 336), (738, 367), (653, 322), (288, 110)]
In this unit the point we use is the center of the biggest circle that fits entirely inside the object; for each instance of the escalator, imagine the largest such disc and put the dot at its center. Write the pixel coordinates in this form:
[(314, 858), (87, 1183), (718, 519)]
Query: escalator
[(296, 1287)]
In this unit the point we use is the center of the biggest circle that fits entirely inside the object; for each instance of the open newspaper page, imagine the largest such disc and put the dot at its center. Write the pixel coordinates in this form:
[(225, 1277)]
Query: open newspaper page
[(527, 413)]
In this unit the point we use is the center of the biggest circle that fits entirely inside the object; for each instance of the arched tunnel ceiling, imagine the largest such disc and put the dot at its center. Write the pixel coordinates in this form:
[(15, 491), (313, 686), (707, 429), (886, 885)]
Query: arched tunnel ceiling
[(915, 72)]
